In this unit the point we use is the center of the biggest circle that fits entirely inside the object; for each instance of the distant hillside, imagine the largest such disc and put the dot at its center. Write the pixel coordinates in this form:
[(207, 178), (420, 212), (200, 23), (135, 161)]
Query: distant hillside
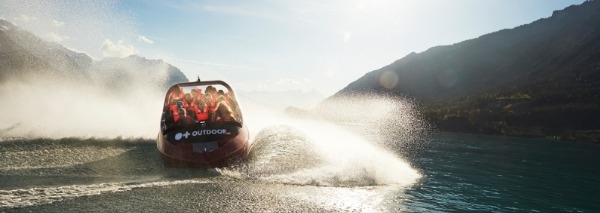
[(279, 101), (23, 56), (22, 53), (541, 79), (115, 73)]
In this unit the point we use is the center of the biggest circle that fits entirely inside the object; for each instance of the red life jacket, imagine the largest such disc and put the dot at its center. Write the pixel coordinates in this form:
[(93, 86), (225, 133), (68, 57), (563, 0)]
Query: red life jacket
[(175, 114), (202, 115)]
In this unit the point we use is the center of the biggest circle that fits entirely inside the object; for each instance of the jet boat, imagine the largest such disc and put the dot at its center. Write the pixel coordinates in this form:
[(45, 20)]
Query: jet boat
[(202, 126)]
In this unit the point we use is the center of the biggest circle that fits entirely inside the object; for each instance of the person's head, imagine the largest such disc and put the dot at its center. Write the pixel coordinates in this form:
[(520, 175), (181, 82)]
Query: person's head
[(209, 89), (180, 104), (224, 106), (175, 89), (200, 102), (188, 97), (221, 99)]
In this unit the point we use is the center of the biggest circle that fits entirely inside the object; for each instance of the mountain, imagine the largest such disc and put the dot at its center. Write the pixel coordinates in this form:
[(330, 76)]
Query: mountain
[(24, 56), (540, 79), (117, 73), (279, 101)]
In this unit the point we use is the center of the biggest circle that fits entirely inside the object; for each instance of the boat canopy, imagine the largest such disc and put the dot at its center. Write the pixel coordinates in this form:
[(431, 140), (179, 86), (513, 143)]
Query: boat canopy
[(202, 103)]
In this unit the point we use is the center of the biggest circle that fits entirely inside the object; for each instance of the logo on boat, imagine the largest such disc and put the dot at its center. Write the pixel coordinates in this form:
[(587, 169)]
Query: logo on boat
[(187, 134)]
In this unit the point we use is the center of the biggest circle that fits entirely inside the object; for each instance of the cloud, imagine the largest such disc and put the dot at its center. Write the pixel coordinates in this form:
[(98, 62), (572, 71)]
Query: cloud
[(26, 18), (242, 11), (347, 36), (119, 49), (282, 81), (142, 38), (55, 37), (58, 24), (329, 73), (230, 10), (218, 65)]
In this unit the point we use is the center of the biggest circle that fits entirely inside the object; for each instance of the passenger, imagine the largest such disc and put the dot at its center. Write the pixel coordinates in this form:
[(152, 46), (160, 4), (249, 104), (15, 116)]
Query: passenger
[(232, 102), (177, 105), (213, 92), (198, 109), (196, 93), (184, 118), (223, 112), (189, 98), (201, 109), (221, 98), (167, 120), (228, 117), (210, 105), (176, 94), (199, 92), (176, 100), (210, 90), (175, 110)]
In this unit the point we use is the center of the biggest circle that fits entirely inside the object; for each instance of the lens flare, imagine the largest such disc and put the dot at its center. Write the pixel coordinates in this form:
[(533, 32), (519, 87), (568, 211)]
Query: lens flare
[(388, 79)]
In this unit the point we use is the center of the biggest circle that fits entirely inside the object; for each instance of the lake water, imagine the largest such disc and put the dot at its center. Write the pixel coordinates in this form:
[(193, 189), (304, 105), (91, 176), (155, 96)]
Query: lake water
[(445, 172), (505, 174)]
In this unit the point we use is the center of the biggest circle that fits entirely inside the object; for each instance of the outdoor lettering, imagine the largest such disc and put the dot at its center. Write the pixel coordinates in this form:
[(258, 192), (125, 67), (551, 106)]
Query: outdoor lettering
[(187, 134)]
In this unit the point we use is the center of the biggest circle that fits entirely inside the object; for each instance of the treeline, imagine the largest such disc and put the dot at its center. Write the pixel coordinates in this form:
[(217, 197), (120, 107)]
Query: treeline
[(555, 109)]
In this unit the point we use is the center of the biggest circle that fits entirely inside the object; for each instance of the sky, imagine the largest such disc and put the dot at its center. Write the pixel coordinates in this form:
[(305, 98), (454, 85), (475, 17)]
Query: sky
[(271, 44)]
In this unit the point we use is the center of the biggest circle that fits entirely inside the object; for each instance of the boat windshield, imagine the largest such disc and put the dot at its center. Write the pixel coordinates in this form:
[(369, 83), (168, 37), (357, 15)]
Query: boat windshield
[(205, 103)]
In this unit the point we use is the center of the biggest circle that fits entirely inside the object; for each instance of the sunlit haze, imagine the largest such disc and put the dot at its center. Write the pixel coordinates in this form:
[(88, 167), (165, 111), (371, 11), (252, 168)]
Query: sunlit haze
[(270, 45)]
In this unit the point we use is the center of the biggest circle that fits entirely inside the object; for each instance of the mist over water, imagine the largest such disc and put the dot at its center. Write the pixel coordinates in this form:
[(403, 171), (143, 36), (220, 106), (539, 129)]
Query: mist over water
[(349, 152), (285, 150), (352, 151), (57, 108)]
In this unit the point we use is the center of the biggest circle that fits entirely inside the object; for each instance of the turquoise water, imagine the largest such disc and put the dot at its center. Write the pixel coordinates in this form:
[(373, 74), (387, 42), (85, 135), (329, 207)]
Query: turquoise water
[(483, 173), (456, 172)]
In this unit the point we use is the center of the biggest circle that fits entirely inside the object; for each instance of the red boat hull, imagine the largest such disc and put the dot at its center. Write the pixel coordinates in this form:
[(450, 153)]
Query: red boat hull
[(229, 151), (202, 126)]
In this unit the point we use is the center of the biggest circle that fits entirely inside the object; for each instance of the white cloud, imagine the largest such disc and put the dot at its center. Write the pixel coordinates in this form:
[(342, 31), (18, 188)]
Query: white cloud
[(329, 73), (118, 49), (262, 86), (347, 36), (58, 24), (241, 11), (55, 37), (142, 38), (287, 81), (25, 18)]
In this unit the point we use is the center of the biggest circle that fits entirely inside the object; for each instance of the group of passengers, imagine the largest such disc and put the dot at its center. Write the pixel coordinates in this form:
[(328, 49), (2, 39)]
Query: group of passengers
[(194, 107)]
